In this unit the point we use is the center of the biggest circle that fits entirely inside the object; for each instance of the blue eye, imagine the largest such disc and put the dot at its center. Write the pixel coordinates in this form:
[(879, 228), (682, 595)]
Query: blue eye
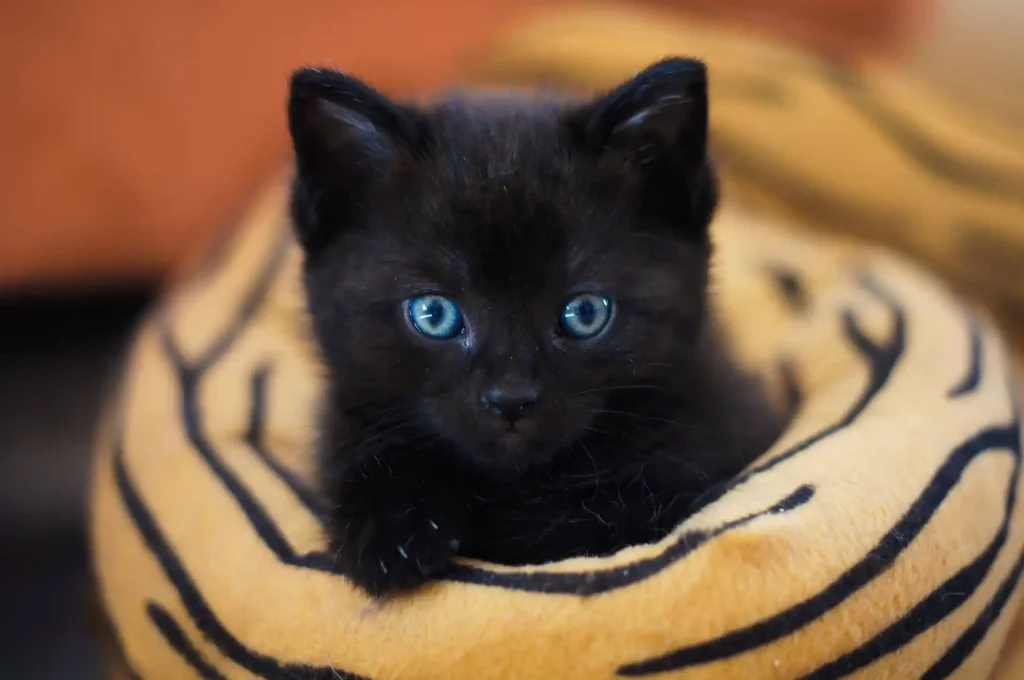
[(435, 316), (586, 315)]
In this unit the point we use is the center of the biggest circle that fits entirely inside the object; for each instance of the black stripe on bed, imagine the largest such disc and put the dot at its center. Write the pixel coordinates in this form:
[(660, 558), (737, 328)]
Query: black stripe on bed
[(249, 305), (965, 645), (972, 377), (175, 637), (195, 604), (256, 439)]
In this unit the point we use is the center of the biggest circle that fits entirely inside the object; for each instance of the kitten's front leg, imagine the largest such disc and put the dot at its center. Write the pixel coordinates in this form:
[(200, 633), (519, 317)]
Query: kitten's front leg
[(396, 521)]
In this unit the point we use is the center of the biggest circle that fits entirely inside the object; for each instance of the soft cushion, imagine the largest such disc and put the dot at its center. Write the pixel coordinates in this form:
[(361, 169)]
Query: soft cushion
[(882, 534)]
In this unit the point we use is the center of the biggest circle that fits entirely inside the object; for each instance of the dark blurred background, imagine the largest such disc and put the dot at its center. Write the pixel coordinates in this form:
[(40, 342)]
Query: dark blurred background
[(131, 131)]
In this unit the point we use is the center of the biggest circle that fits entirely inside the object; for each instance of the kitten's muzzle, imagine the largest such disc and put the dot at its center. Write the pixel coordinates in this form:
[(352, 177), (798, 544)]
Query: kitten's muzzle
[(510, 402)]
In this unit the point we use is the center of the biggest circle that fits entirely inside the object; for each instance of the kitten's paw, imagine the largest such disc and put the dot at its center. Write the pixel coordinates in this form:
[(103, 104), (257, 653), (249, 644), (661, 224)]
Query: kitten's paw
[(397, 548)]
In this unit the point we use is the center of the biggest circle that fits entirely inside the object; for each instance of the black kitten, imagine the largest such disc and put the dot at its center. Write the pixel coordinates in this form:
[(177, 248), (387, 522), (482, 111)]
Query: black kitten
[(511, 297)]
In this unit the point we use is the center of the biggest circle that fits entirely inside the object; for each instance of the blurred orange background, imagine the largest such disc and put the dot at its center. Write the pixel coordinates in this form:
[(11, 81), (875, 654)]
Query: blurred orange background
[(132, 130)]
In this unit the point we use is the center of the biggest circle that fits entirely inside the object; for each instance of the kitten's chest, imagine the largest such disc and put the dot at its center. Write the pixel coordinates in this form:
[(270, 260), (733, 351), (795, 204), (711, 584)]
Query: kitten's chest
[(584, 511)]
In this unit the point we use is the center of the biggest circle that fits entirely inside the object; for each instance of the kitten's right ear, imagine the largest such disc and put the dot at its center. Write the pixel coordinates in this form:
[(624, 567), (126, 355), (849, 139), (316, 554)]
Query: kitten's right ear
[(657, 122), (346, 136)]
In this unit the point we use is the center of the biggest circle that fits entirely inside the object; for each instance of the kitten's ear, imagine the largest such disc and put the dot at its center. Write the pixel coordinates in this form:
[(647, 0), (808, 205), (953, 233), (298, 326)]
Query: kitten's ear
[(658, 123), (346, 136)]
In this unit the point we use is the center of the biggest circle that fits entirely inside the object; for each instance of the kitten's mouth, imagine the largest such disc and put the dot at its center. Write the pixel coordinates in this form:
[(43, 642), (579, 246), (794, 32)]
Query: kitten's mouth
[(512, 440)]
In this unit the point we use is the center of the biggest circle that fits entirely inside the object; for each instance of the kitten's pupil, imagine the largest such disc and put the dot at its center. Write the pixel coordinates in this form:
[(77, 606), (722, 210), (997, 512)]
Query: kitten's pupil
[(432, 313), (586, 312)]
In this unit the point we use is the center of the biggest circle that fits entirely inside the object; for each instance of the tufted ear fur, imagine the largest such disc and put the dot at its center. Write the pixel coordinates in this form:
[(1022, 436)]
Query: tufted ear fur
[(657, 123), (346, 137)]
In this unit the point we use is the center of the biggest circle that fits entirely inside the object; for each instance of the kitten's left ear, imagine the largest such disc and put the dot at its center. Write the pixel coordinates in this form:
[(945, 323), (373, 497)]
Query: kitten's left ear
[(658, 123)]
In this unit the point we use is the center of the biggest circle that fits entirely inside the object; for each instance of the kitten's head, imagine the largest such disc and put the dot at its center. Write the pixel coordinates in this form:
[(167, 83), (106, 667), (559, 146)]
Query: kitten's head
[(493, 273)]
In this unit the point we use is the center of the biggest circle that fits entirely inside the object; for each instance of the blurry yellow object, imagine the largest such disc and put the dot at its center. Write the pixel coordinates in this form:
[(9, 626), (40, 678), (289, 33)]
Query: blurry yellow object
[(861, 151), (882, 535)]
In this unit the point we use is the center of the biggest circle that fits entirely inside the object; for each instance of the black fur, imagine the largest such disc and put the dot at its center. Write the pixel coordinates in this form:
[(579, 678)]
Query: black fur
[(510, 205)]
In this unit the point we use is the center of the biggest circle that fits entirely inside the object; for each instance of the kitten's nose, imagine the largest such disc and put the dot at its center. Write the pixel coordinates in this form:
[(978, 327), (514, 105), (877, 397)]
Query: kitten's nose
[(510, 402)]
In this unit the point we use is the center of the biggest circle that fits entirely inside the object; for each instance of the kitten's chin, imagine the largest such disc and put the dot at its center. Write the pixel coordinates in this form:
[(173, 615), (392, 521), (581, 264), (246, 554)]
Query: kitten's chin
[(515, 446), (511, 452)]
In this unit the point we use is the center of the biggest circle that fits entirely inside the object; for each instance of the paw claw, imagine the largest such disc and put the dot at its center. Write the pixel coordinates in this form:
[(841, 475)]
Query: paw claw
[(386, 551)]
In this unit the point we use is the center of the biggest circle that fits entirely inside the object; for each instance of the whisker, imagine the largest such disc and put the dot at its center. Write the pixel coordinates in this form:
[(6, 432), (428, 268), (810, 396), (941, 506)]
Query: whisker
[(639, 416), (383, 433)]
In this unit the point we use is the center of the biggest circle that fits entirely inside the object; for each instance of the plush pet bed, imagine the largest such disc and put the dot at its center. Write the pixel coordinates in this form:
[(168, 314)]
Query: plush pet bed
[(856, 148), (881, 537)]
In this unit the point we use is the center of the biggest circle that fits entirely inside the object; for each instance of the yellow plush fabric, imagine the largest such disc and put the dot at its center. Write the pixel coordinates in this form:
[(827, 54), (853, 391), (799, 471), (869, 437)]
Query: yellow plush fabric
[(858, 149), (881, 537)]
